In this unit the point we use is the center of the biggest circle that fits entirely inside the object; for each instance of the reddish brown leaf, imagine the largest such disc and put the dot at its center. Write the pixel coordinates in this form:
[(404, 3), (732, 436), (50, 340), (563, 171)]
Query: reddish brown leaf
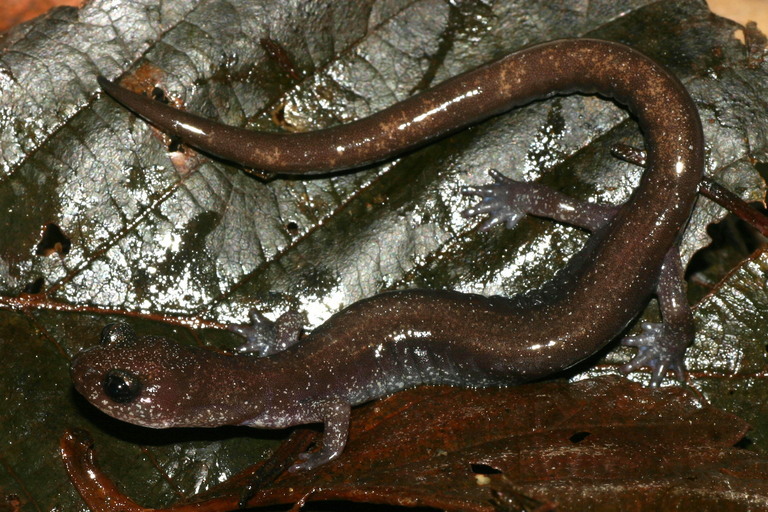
[(591, 444), (13, 12)]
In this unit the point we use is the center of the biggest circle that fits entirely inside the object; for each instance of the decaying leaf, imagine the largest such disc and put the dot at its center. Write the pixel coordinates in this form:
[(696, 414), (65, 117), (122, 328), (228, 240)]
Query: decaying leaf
[(602, 444)]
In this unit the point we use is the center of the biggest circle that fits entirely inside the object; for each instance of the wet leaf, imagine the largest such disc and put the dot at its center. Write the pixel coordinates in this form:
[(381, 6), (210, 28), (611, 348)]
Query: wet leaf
[(157, 229), (603, 444)]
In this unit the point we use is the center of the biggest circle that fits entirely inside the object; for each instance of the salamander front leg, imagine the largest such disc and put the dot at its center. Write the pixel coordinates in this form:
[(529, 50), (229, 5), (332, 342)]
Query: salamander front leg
[(335, 430), (265, 337), (661, 346)]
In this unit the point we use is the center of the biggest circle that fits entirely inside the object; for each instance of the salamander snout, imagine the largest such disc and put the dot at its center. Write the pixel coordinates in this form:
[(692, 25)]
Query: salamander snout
[(144, 380)]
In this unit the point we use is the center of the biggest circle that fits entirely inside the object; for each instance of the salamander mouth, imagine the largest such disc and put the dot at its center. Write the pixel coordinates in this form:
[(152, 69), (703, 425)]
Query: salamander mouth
[(125, 414)]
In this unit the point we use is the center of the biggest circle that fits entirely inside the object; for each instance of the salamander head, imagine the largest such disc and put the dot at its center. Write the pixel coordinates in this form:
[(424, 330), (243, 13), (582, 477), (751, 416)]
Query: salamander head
[(148, 381)]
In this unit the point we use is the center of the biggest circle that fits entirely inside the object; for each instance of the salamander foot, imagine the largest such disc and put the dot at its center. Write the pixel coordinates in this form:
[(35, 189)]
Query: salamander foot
[(504, 201), (265, 337), (657, 349)]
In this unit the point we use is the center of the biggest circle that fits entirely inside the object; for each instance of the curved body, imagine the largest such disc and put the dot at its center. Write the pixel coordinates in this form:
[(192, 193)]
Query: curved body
[(405, 338)]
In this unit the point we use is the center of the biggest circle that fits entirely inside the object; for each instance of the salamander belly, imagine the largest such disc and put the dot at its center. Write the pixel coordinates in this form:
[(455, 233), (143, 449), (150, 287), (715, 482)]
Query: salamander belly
[(391, 367)]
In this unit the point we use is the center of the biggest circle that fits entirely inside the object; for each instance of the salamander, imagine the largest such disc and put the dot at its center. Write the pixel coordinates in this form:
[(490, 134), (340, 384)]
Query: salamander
[(406, 338)]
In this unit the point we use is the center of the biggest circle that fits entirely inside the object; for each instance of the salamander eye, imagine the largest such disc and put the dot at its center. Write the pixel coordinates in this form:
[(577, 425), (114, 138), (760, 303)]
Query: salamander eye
[(117, 333), (121, 386)]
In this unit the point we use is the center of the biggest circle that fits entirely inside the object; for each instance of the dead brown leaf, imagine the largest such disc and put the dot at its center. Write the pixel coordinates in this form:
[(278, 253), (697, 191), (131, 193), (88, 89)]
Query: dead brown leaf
[(600, 444)]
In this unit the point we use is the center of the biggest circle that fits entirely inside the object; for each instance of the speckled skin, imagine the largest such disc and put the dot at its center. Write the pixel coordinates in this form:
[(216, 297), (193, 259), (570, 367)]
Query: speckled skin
[(405, 338)]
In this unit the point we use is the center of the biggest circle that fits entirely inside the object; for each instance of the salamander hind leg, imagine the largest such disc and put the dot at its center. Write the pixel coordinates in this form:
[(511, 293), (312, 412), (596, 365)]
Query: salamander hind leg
[(265, 337), (503, 201), (662, 346), (506, 201)]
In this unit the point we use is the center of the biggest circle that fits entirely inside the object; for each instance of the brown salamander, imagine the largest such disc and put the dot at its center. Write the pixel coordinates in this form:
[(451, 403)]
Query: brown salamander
[(405, 338)]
